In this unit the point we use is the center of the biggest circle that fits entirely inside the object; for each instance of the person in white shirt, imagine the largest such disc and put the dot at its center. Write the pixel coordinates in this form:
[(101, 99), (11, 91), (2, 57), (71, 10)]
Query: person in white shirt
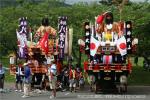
[(2, 76), (50, 59), (27, 80), (52, 74)]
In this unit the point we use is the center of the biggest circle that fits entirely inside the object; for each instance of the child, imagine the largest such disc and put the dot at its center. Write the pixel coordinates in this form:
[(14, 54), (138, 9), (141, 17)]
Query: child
[(19, 77), (27, 80), (52, 73), (72, 78)]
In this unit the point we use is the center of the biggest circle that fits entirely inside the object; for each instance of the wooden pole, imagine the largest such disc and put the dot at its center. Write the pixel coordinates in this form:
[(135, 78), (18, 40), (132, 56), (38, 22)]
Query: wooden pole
[(80, 54)]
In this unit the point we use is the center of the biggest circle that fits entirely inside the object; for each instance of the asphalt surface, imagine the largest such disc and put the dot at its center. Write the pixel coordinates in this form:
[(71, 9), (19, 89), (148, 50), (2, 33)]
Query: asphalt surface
[(134, 93)]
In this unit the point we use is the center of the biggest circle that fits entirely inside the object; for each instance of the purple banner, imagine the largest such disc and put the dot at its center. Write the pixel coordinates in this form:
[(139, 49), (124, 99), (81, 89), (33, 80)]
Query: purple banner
[(22, 38), (62, 27)]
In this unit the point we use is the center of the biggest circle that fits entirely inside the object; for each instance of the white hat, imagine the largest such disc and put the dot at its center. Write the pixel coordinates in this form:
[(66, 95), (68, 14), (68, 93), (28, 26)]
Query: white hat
[(25, 64), (53, 69), (53, 66)]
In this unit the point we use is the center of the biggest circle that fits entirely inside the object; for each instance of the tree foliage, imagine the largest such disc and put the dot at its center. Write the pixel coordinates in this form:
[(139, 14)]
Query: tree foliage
[(77, 14)]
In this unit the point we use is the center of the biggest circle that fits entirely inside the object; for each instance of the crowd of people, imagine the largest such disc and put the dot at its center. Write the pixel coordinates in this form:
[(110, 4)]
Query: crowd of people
[(70, 78)]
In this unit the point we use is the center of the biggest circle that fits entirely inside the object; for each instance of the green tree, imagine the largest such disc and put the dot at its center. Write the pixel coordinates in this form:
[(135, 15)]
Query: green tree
[(138, 13)]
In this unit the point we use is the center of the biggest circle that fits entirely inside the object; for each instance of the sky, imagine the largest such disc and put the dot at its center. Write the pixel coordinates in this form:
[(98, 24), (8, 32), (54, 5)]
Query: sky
[(76, 1)]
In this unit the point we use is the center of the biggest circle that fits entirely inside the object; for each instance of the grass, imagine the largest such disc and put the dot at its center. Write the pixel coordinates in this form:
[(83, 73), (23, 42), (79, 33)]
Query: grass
[(5, 61), (8, 77), (137, 77)]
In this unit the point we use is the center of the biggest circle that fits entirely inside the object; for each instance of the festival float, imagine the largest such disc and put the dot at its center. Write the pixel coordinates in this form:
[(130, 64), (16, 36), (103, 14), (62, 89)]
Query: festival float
[(108, 46), (41, 48)]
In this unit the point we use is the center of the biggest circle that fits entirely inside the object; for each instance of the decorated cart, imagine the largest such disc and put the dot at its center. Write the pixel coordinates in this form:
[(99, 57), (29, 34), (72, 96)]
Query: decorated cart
[(108, 45), (41, 48), (35, 49)]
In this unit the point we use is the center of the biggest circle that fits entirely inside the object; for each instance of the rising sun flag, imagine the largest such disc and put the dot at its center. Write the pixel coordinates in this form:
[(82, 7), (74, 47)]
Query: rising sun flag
[(94, 44)]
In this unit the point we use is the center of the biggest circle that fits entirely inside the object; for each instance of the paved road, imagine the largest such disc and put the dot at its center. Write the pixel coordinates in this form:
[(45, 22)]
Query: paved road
[(134, 93)]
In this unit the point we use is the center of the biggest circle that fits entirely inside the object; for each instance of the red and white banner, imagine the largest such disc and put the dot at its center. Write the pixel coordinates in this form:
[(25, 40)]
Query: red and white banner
[(43, 43), (94, 44), (107, 59), (122, 46)]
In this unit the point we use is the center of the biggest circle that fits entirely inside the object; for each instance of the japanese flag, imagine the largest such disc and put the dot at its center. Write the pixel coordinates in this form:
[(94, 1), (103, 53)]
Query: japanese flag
[(94, 44), (121, 45)]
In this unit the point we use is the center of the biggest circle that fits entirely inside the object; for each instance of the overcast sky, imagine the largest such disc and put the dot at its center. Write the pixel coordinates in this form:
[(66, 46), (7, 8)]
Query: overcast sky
[(75, 1)]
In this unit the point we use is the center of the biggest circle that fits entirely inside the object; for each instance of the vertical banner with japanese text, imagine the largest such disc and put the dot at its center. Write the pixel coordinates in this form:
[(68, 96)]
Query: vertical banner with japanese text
[(87, 37), (22, 38), (62, 27), (128, 30)]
